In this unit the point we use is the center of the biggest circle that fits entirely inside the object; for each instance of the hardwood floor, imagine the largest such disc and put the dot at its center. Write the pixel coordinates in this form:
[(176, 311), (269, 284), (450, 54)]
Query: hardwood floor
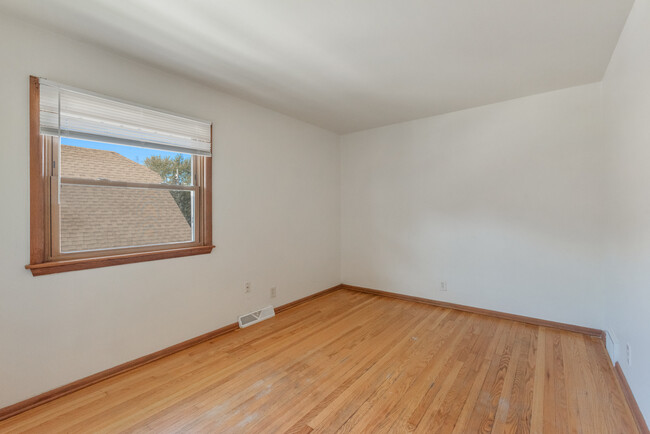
[(353, 362)]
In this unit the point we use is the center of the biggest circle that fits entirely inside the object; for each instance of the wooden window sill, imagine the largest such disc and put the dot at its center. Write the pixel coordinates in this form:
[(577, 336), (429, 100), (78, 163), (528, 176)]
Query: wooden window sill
[(108, 261)]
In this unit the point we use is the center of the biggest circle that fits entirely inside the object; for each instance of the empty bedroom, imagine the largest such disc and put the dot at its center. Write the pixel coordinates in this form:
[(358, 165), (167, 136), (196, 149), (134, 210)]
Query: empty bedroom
[(291, 216)]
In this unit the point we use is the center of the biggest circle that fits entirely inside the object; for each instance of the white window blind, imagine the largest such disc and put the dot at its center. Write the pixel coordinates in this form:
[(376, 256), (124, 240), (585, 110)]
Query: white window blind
[(75, 113)]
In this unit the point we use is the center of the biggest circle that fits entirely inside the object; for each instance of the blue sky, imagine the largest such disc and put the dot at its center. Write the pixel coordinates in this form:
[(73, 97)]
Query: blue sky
[(131, 152)]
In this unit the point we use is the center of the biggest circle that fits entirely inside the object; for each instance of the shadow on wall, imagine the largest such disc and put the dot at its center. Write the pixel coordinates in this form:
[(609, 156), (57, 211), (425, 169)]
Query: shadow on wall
[(492, 205)]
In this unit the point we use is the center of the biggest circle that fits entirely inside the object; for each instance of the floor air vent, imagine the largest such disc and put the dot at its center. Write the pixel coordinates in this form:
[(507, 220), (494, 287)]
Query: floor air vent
[(255, 317)]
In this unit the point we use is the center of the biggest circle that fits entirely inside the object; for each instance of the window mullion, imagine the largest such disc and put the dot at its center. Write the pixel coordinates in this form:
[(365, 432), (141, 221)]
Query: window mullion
[(54, 166), (107, 183)]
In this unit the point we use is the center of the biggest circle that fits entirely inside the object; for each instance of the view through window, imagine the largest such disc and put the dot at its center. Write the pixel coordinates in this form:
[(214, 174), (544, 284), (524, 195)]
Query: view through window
[(111, 196)]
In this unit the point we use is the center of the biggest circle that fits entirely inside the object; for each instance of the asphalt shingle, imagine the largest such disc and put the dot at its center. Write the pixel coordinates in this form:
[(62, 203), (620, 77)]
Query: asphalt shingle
[(97, 217)]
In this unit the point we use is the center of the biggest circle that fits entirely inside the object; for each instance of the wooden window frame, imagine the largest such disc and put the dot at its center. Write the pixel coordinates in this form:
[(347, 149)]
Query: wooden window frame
[(44, 227)]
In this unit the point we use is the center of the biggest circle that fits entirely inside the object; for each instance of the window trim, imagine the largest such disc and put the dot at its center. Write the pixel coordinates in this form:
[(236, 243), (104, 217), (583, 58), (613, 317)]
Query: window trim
[(52, 148), (42, 260)]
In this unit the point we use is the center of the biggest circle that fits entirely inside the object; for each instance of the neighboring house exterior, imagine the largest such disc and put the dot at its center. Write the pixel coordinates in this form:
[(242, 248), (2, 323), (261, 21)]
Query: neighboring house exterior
[(98, 217)]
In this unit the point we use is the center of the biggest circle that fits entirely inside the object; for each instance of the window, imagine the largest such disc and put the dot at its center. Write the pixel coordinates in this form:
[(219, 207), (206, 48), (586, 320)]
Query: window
[(112, 182)]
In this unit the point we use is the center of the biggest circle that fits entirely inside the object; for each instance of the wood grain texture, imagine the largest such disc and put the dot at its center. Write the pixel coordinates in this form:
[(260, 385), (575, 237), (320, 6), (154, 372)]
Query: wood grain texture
[(511, 316), (354, 362), (631, 401), (108, 261), (37, 190), (51, 395)]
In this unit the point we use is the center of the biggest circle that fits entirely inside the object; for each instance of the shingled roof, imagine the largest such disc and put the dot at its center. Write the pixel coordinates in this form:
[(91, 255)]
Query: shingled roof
[(108, 217)]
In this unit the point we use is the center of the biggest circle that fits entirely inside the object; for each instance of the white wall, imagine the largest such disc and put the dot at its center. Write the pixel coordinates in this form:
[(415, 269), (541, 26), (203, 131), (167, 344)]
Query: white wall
[(504, 202), (626, 92), (276, 222)]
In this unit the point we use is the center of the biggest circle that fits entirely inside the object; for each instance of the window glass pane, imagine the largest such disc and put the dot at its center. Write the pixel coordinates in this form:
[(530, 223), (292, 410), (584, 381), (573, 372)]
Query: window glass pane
[(99, 217), (95, 160)]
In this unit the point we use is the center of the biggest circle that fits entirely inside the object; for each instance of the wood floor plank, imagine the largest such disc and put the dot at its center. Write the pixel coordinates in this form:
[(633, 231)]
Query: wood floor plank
[(578, 403), (442, 415), (519, 418), (539, 385), (239, 368), (348, 402), (353, 362), (374, 415), (562, 421), (430, 381), (487, 405), (445, 418), (607, 385), (427, 416), (320, 400), (340, 352), (121, 388), (514, 405)]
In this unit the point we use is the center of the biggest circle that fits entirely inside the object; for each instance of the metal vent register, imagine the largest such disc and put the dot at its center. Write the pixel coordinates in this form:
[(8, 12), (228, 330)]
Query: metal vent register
[(255, 317)]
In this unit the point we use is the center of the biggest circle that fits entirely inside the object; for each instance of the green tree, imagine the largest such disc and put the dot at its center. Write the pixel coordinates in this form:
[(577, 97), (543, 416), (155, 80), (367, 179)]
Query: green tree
[(175, 170)]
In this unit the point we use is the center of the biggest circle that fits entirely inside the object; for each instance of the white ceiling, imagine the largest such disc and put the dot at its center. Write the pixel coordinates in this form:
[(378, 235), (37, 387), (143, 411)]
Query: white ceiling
[(348, 65)]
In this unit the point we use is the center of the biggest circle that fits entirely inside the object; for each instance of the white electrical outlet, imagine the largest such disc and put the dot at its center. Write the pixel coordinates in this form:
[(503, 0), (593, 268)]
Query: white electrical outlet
[(247, 287), (443, 285), (274, 291), (628, 348)]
